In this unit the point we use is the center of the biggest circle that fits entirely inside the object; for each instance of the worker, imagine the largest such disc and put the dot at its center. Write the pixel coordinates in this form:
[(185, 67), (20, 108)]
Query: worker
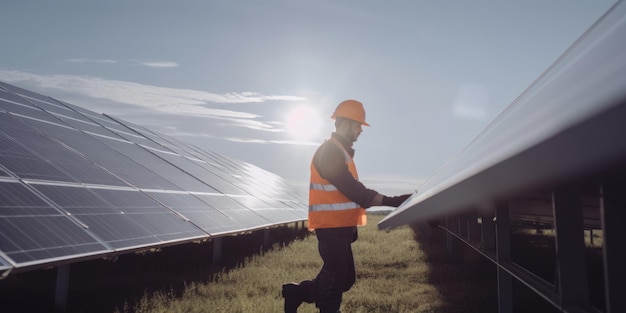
[(337, 203)]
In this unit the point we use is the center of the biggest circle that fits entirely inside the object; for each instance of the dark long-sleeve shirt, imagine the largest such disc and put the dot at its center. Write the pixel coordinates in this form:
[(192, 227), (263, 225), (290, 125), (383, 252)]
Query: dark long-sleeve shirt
[(330, 162)]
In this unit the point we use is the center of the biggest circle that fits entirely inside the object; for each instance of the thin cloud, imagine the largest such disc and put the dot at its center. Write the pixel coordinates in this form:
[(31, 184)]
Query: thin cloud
[(164, 64), (263, 141), (177, 101), (84, 60), (182, 102), (252, 124)]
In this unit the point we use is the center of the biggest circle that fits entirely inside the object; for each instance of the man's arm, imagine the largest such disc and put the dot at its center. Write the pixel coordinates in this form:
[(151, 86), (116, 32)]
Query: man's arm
[(331, 164)]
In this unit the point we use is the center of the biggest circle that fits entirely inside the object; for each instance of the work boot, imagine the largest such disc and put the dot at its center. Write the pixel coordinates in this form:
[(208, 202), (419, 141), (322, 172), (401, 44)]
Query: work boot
[(293, 297)]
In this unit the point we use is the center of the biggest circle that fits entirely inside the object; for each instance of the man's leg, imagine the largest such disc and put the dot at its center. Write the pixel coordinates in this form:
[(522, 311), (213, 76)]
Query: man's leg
[(296, 293), (350, 273), (334, 248)]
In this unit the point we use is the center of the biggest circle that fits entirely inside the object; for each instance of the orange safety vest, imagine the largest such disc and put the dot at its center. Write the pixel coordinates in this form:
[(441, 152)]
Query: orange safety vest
[(328, 207)]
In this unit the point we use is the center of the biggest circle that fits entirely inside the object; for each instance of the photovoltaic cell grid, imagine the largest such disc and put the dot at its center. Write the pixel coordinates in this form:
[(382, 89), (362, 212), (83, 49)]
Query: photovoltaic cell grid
[(32, 230), (77, 184)]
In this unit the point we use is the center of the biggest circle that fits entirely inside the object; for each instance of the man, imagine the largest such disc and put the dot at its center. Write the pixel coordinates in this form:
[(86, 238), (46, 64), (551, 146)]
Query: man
[(337, 203)]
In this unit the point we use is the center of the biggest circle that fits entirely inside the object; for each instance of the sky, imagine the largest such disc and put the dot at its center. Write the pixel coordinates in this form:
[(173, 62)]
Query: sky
[(258, 80)]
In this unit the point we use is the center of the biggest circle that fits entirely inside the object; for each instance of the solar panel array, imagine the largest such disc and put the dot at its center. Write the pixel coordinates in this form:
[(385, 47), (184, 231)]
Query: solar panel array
[(569, 122), (76, 184)]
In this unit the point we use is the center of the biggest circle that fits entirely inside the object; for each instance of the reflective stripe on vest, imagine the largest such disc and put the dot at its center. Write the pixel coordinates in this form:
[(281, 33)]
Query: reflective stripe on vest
[(328, 207)]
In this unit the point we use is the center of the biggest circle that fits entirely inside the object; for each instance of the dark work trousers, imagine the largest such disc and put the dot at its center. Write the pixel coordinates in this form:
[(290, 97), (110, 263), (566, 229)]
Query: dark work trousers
[(338, 273)]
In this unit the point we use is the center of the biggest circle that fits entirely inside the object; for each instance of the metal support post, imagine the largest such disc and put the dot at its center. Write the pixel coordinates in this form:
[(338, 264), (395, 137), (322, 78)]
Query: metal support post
[(217, 249), (487, 232), (613, 214), (267, 238), (473, 228), (503, 255), (463, 229), (453, 247), (62, 285), (570, 249)]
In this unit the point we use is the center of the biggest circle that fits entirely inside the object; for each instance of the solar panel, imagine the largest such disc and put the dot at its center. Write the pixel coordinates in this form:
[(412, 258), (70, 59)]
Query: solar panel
[(225, 181), (133, 135), (112, 217), (274, 210), (14, 104), (151, 161), (227, 205), (208, 218), (118, 164), (569, 122), (66, 160), (33, 231), (16, 157), (74, 183), (252, 179), (4, 265), (163, 223), (214, 181)]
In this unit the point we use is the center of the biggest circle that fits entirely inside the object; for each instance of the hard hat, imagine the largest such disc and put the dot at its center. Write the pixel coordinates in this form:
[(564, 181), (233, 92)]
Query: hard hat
[(351, 109)]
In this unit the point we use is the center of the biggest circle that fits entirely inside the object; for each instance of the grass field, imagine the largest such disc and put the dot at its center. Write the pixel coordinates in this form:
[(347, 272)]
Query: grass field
[(394, 274)]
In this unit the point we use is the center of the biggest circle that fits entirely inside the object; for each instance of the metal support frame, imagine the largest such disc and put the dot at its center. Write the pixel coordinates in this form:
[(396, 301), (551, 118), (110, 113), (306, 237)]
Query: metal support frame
[(613, 214), (463, 227), (217, 249), (62, 285), (570, 249), (487, 232), (503, 255), (267, 238), (453, 247), (474, 232)]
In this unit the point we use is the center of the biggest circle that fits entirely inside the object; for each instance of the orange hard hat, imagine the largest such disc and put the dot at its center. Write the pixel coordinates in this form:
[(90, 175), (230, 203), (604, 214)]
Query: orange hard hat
[(351, 109)]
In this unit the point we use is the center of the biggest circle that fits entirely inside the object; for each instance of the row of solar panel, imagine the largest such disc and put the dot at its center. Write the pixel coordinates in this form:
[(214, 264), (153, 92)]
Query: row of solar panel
[(567, 124), (74, 183)]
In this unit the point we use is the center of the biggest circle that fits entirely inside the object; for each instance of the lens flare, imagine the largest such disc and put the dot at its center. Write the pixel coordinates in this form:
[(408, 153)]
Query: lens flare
[(303, 123)]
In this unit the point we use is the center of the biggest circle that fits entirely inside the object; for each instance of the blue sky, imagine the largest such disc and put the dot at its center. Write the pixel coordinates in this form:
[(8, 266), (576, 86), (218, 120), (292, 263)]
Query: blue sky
[(252, 79)]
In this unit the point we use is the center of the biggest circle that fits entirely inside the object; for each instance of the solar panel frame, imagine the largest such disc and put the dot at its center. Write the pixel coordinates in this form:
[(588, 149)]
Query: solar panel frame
[(4, 265)]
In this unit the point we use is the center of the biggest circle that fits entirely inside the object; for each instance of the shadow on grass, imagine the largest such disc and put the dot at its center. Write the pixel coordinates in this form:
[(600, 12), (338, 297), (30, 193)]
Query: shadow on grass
[(468, 283), (101, 286)]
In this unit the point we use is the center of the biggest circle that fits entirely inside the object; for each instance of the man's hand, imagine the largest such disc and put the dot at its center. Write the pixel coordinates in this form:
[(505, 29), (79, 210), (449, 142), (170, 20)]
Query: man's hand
[(395, 201)]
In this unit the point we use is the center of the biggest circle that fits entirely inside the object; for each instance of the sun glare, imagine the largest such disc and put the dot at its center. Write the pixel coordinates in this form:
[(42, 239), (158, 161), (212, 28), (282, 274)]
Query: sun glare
[(303, 123)]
